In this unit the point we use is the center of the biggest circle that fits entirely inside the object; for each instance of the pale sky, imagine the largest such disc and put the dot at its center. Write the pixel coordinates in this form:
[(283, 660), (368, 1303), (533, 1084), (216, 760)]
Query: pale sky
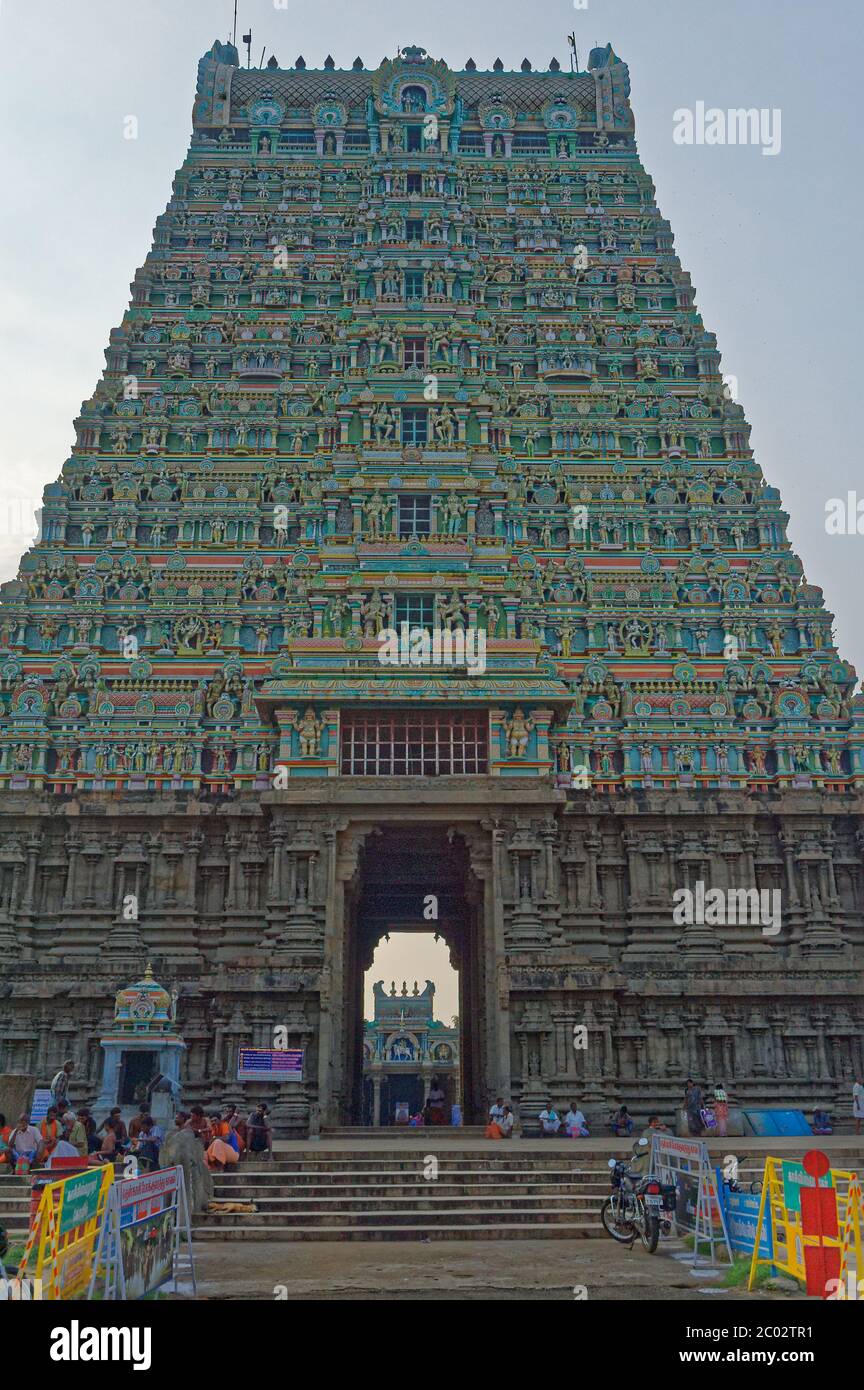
[(772, 243), (411, 956)]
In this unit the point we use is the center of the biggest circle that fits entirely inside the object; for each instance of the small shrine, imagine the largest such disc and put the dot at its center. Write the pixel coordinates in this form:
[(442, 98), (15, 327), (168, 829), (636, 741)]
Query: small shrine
[(404, 1047), (142, 1050)]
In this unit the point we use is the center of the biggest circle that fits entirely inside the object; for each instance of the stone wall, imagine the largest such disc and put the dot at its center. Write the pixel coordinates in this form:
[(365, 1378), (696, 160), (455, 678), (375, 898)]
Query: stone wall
[(238, 906)]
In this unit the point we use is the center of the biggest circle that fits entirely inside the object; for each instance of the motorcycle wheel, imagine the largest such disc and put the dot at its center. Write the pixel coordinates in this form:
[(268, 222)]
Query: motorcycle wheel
[(650, 1232), (623, 1232)]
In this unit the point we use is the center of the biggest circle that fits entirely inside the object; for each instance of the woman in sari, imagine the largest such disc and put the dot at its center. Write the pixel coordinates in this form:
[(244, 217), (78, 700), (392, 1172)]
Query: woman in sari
[(721, 1109)]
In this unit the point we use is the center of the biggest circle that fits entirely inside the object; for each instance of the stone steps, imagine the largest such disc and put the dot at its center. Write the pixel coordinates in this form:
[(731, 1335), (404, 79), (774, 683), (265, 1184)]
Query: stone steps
[(15, 1210), (384, 1195), (400, 1133), (325, 1206), (407, 1191), (413, 1163)]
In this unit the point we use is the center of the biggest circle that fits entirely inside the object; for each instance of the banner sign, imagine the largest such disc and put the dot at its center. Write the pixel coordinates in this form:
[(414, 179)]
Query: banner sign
[(686, 1164), (741, 1210), (266, 1064), (146, 1240), (80, 1199), (793, 1177), (140, 1197), (147, 1253)]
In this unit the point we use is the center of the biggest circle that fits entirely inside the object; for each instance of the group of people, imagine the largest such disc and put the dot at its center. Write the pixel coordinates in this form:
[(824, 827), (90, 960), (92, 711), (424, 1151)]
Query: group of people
[(73, 1134), (69, 1134), (572, 1124), (227, 1136), (706, 1112), (501, 1120)]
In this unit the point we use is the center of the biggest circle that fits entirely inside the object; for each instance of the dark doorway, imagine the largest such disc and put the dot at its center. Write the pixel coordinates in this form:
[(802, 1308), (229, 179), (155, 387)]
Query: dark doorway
[(137, 1068), (403, 876)]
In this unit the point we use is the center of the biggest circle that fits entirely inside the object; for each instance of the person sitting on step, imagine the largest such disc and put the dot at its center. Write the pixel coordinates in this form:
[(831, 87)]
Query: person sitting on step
[(550, 1121)]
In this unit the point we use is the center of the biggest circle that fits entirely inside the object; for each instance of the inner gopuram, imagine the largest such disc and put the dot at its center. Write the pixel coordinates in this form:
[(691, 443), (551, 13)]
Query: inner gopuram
[(411, 558)]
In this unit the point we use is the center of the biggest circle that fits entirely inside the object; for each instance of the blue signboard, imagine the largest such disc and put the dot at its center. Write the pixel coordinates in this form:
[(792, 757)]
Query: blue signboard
[(270, 1064), (41, 1101), (741, 1210)]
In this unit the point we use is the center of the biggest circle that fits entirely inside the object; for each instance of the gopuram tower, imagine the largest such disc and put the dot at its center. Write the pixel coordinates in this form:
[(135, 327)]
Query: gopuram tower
[(411, 569)]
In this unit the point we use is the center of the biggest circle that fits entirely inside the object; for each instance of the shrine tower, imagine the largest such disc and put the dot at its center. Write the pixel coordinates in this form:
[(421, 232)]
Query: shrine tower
[(411, 546)]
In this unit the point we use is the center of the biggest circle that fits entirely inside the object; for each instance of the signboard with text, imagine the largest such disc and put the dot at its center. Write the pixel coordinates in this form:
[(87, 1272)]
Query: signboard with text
[(270, 1064)]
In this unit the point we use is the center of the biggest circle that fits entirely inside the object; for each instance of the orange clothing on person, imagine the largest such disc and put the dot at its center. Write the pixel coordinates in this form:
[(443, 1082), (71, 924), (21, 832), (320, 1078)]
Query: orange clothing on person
[(50, 1139), (5, 1133), (218, 1151)]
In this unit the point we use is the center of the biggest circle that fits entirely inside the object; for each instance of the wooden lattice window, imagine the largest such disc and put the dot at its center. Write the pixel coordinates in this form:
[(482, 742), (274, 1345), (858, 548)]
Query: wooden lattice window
[(422, 743)]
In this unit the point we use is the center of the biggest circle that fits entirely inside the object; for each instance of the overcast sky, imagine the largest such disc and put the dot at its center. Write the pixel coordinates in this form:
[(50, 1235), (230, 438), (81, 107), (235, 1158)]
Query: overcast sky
[(770, 242)]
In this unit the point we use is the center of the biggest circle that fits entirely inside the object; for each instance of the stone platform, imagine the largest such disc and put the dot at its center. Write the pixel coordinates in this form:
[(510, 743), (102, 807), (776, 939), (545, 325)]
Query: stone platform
[(340, 1189)]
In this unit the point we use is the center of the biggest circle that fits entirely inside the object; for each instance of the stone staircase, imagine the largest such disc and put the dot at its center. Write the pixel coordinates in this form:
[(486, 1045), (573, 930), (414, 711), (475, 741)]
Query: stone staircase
[(15, 1208), (371, 1194), (402, 1134)]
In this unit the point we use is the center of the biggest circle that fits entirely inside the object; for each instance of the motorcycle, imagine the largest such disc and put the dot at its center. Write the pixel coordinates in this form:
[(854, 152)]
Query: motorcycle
[(638, 1205)]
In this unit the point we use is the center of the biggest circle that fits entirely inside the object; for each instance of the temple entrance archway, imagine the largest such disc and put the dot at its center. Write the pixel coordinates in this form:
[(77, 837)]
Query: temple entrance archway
[(411, 878)]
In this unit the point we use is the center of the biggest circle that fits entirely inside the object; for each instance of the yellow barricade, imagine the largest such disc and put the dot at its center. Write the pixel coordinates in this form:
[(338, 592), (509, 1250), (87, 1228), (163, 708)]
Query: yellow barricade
[(64, 1231), (782, 1203)]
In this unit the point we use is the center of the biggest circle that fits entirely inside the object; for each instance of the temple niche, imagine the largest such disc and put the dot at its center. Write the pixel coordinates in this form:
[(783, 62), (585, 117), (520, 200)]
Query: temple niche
[(404, 1048), (412, 352), (142, 1052)]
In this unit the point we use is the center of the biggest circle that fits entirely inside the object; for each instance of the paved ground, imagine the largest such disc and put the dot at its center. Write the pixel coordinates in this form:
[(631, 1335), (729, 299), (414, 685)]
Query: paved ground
[(387, 1270)]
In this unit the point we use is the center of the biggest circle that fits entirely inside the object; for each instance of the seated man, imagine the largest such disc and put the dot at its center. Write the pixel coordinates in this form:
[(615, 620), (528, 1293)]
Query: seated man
[(822, 1123), (506, 1122), (549, 1121), (575, 1123), (62, 1149), (147, 1143), (114, 1121), (136, 1124), (24, 1144), (655, 1126), (621, 1121), (50, 1131), (74, 1133), (260, 1132)]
